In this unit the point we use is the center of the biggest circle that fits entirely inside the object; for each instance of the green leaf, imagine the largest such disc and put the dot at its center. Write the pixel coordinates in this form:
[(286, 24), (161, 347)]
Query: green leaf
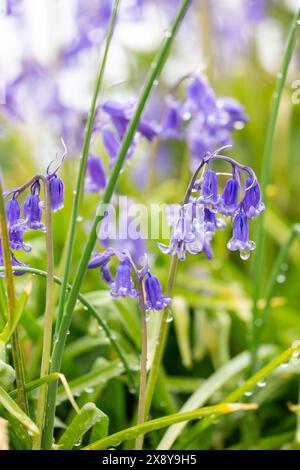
[(11, 406), (155, 424), (7, 375), (87, 417), (101, 374), (208, 388)]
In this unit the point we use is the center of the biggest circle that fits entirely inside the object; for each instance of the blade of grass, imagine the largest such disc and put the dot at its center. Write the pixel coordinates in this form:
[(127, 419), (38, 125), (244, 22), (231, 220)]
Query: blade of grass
[(239, 392), (87, 417), (210, 386), (159, 423), (14, 410), (155, 70), (258, 259), (11, 304)]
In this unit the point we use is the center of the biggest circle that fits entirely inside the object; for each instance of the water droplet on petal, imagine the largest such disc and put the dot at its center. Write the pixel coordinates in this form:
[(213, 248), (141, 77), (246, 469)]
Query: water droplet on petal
[(244, 255)]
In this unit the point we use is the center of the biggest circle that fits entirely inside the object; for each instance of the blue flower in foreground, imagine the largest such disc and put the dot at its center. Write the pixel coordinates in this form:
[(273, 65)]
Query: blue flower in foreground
[(13, 212), (228, 202), (252, 203), (240, 239), (154, 297), (209, 188), (33, 210), (123, 285), (15, 262), (56, 193)]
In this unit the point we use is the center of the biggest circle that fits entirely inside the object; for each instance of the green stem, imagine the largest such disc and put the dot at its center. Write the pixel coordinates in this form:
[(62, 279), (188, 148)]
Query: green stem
[(258, 260), (48, 319), (155, 69), (82, 166), (92, 311), (159, 423), (143, 367), (11, 301)]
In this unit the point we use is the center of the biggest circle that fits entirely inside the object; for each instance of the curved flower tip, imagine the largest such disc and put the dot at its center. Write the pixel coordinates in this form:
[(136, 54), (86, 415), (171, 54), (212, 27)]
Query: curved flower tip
[(123, 285), (154, 297)]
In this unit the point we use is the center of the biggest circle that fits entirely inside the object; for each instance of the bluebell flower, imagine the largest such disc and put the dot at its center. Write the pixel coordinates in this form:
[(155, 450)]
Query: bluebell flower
[(33, 211), (111, 143), (14, 261), (101, 259), (56, 187), (13, 212), (95, 175), (123, 285), (209, 188), (16, 234), (228, 202), (240, 239), (252, 203), (212, 222), (154, 296), (181, 236)]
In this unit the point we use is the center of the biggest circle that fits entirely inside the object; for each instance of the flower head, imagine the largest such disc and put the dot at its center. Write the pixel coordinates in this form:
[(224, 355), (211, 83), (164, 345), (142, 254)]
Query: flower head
[(33, 208), (123, 285), (95, 175), (154, 297), (252, 203), (56, 187), (240, 239), (228, 202)]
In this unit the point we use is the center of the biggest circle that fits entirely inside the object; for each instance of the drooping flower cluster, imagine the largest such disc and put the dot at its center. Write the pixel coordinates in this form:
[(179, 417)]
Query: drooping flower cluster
[(124, 286), (203, 119), (21, 218), (196, 221)]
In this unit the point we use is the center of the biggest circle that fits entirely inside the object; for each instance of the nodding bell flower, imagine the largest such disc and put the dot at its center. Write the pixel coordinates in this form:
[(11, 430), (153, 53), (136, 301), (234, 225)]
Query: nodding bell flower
[(154, 297), (33, 208), (15, 262), (56, 187), (13, 212), (209, 189), (252, 203), (123, 285), (228, 202), (240, 239)]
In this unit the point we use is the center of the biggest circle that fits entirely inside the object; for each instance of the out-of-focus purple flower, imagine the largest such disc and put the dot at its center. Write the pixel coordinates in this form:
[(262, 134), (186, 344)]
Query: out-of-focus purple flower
[(154, 296), (200, 97), (252, 203), (209, 188), (171, 126), (111, 144), (240, 239), (12, 6), (123, 285), (228, 202), (95, 175), (56, 187)]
